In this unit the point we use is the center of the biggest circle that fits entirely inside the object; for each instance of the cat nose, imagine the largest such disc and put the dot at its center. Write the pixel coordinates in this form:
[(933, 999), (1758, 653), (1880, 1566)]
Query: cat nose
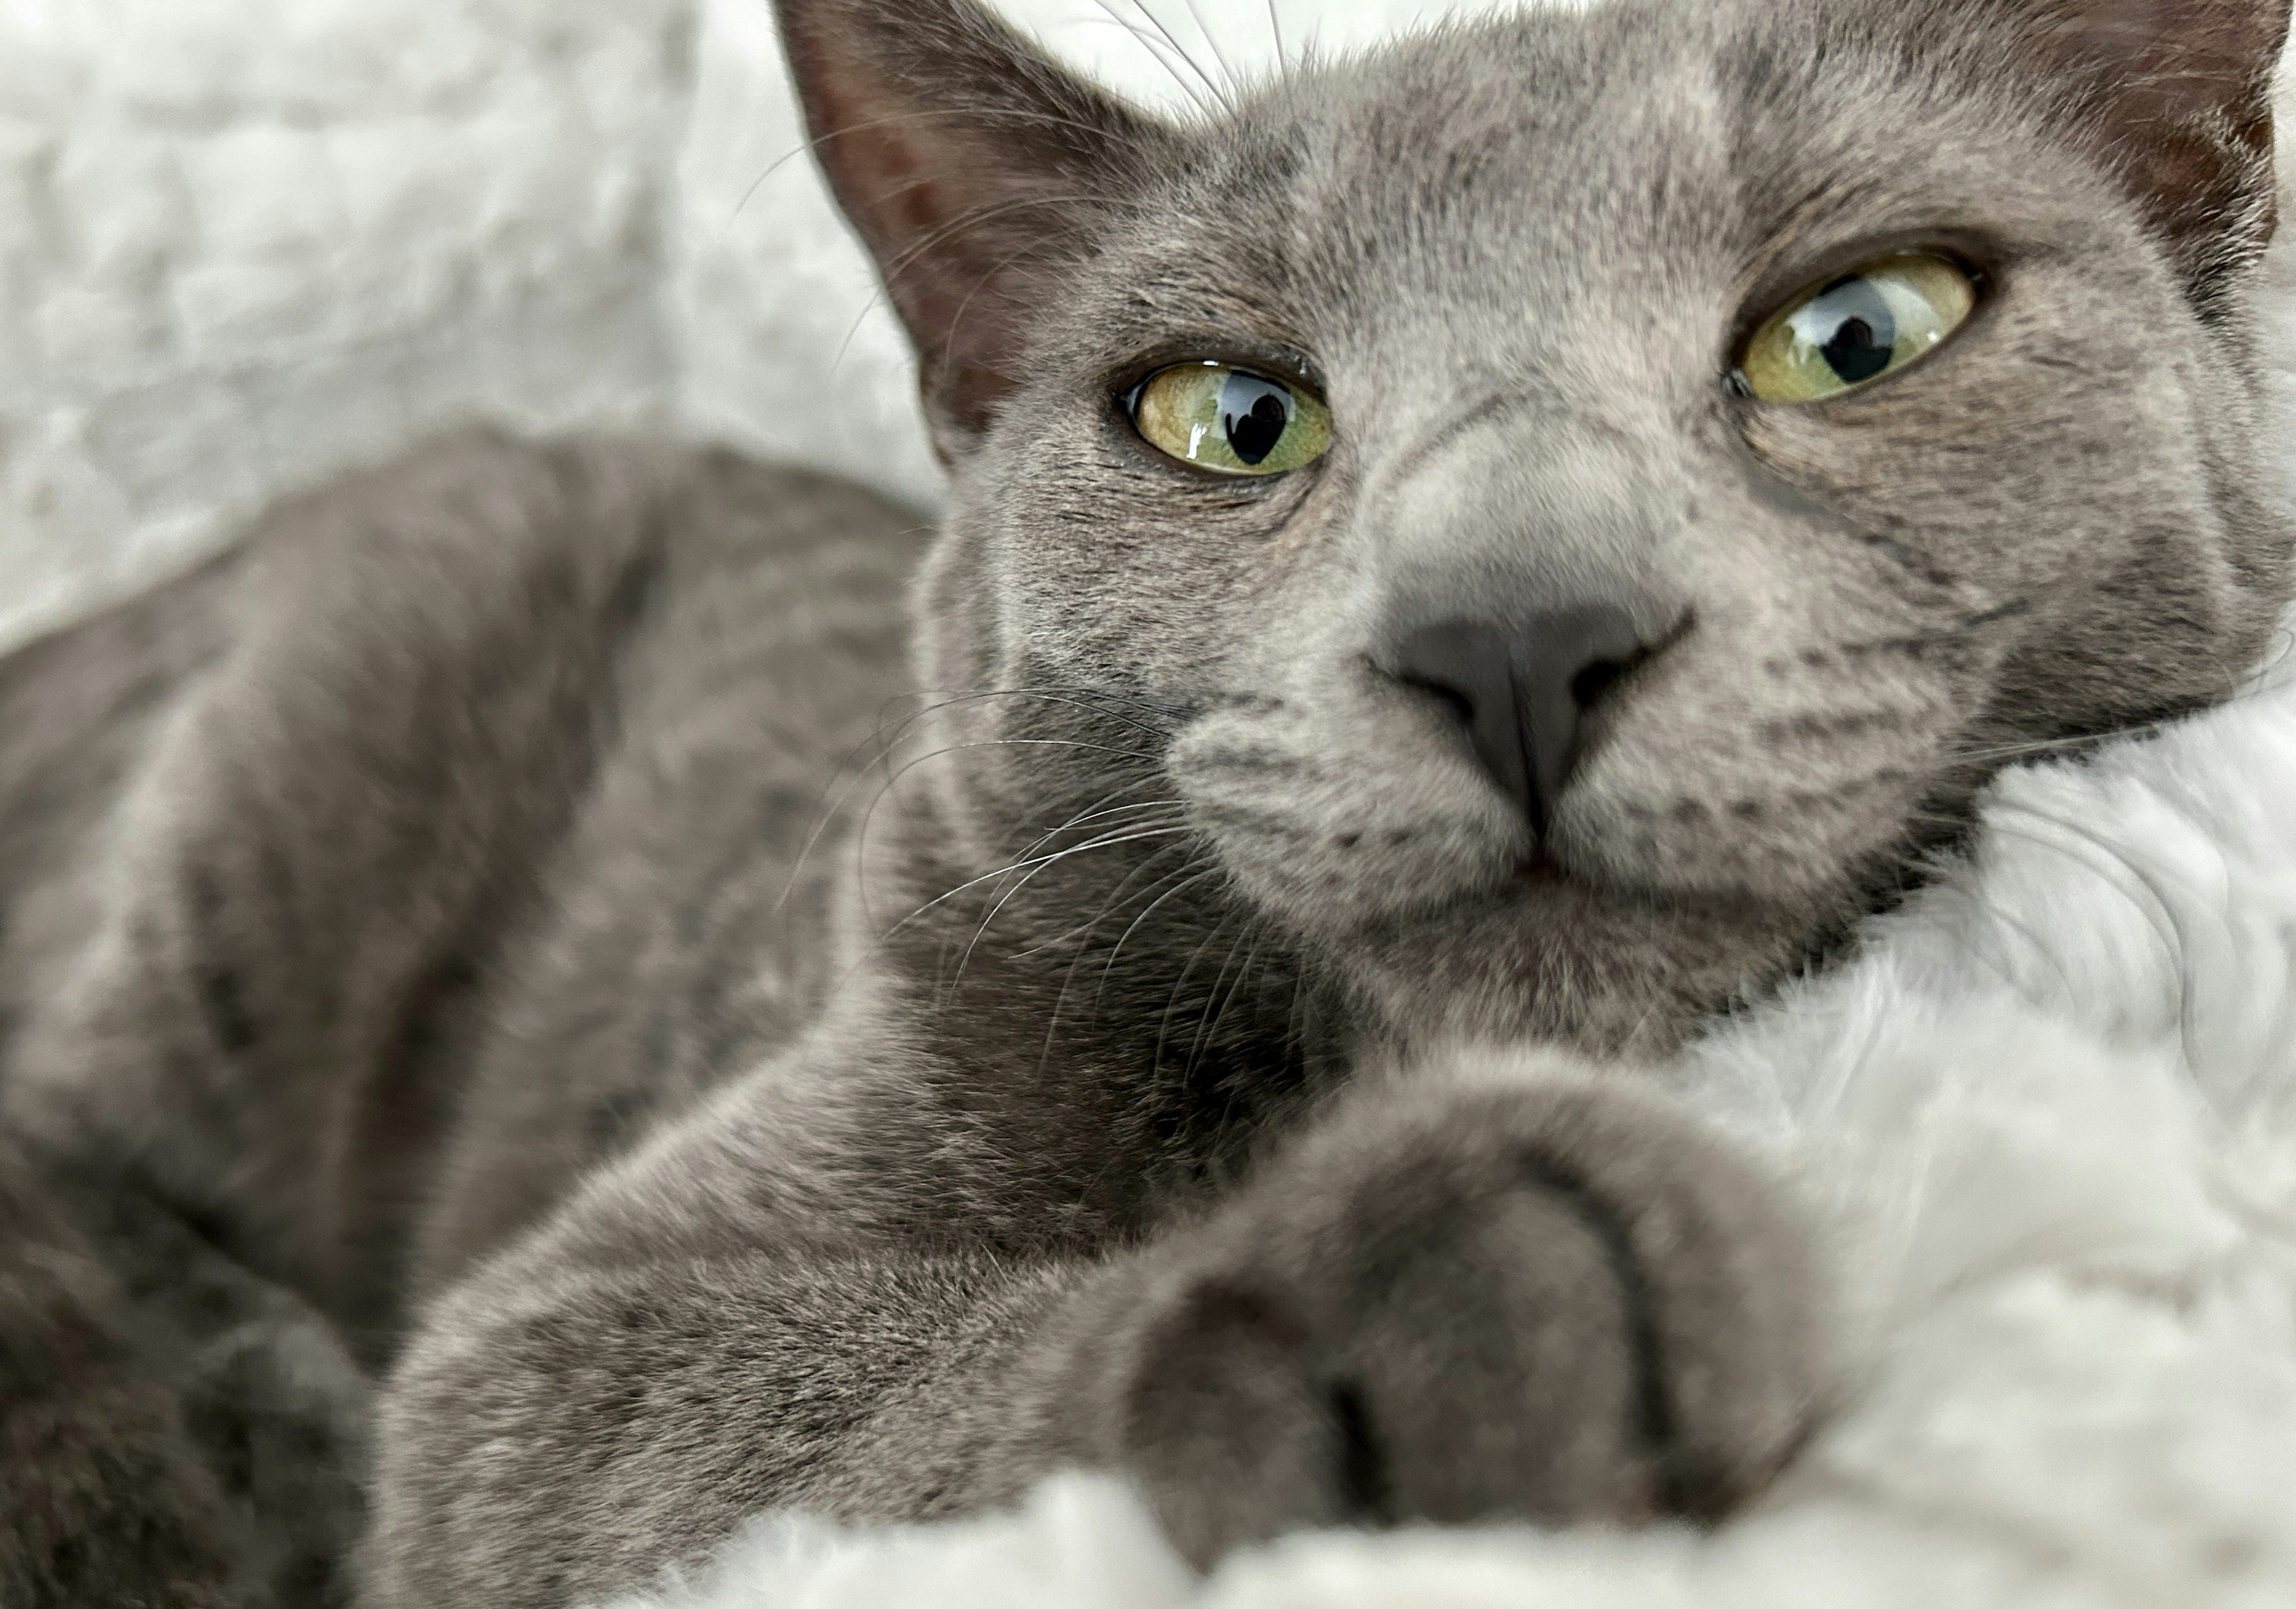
[(1523, 689)]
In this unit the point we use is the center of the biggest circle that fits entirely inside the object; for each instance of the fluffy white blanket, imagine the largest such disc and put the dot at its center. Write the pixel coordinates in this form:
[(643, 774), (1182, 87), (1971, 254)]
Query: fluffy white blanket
[(243, 241), (2052, 1108)]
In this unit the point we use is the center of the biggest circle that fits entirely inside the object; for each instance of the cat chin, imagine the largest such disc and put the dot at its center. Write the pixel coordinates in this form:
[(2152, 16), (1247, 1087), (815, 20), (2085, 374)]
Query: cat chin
[(1558, 960), (1462, 929)]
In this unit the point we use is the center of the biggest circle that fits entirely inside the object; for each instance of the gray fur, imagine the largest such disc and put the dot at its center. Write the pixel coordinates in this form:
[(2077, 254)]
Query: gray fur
[(426, 914)]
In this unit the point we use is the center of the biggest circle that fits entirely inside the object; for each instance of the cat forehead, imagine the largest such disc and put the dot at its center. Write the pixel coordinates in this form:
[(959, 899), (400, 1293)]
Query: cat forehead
[(1628, 140), (1538, 103)]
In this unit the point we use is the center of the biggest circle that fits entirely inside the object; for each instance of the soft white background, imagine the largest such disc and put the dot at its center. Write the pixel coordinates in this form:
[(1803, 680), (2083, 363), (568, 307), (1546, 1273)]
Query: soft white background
[(242, 241)]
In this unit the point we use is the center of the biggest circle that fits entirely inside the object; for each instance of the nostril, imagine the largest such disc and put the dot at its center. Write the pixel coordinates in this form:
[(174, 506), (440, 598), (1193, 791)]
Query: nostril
[(1588, 686), (1461, 707), (1520, 690)]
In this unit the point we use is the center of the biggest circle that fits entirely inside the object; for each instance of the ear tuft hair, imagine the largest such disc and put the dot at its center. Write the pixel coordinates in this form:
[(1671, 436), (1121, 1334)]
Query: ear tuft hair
[(975, 169), (2177, 95)]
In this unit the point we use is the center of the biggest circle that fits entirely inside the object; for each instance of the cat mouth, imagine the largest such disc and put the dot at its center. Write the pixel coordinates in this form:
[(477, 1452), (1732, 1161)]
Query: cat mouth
[(1539, 867), (1544, 887)]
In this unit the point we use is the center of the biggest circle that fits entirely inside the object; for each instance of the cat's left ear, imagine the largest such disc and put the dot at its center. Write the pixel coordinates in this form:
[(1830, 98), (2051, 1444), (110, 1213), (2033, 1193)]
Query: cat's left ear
[(975, 170), (2178, 96)]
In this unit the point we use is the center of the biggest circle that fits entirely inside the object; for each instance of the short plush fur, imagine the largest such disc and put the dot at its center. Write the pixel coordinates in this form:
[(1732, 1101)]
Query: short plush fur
[(506, 923)]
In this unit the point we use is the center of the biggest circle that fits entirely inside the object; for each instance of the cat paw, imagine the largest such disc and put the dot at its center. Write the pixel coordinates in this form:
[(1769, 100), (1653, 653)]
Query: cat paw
[(1557, 1303)]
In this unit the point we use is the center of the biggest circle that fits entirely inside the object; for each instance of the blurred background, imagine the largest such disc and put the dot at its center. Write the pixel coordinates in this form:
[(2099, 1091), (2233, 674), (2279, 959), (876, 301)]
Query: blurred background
[(245, 241)]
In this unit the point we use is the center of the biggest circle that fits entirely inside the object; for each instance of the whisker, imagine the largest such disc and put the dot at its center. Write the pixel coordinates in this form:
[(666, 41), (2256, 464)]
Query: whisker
[(1096, 814), (1923, 869), (1108, 967), (1172, 999), (1028, 855), (908, 255), (2043, 745), (1081, 934), (1082, 939), (1094, 811), (1156, 49), (1226, 71), (2254, 684), (1032, 865), (948, 345), (902, 260), (2160, 911), (1219, 100), (1235, 1087), (843, 786), (1053, 859), (869, 815), (1214, 1007), (814, 143)]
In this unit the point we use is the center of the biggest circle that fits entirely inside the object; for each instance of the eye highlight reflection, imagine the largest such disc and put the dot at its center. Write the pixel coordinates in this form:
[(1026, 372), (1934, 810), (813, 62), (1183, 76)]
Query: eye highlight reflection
[(1853, 330), (1230, 421)]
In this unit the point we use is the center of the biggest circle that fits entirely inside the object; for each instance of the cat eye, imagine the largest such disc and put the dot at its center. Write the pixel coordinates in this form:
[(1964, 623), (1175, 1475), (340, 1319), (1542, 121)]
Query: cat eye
[(1853, 330), (1230, 421)]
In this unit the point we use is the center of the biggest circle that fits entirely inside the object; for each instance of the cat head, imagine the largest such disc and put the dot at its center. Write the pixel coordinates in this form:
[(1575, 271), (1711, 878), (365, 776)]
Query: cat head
[(1572, 505)]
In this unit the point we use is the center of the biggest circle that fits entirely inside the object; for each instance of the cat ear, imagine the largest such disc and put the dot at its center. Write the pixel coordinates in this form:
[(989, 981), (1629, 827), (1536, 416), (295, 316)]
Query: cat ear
[(974, 167), (2178, 94)]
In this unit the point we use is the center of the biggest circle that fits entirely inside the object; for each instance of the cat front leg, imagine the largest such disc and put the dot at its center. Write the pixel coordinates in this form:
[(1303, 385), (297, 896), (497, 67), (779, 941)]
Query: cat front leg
[(1446, 1300), (1560, 1301), (560, 1431)]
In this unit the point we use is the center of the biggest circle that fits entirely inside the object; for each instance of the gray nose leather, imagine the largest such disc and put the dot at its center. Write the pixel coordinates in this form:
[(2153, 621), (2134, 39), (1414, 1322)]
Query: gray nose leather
[(1524, 688)]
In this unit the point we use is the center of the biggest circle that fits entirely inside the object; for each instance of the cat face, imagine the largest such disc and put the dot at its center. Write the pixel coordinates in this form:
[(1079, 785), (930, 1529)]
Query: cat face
[(1594, 661)]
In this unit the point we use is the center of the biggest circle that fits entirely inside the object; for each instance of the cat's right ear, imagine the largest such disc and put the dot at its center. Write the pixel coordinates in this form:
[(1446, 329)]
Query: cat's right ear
[(2176, 96), (975, 169)]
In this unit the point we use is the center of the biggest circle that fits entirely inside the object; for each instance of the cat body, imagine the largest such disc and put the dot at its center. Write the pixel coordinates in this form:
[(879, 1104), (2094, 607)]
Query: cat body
[(519, 922), (356, 845)]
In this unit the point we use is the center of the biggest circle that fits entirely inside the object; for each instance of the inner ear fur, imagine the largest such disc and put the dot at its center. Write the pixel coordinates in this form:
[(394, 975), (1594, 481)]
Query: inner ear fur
[(2176, 96), (976, 170)]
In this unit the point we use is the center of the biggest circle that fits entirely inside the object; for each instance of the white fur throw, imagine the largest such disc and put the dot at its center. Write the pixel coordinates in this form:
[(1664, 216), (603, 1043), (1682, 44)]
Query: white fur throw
[(244, 242), (2052, 1108)]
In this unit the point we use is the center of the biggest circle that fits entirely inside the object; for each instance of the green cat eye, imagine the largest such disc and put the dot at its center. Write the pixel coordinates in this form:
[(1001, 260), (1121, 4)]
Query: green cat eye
[(1852, 330), (1230, 419)]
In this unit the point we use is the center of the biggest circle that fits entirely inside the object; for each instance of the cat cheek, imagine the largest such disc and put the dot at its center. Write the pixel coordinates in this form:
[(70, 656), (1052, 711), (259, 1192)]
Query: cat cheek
[(1333, 818), (1781, 802)]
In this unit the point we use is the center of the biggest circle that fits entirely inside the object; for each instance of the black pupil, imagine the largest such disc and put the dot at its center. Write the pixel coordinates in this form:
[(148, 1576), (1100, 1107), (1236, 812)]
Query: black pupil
[(1255, 413), (1853, 328)]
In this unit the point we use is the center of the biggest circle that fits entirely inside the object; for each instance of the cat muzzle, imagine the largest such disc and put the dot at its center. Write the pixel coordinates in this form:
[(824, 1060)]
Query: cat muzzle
[(1523, 691)]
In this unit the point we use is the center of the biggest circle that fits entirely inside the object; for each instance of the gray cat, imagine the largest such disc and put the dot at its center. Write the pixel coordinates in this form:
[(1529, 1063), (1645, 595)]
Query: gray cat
[(1522, 538)]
